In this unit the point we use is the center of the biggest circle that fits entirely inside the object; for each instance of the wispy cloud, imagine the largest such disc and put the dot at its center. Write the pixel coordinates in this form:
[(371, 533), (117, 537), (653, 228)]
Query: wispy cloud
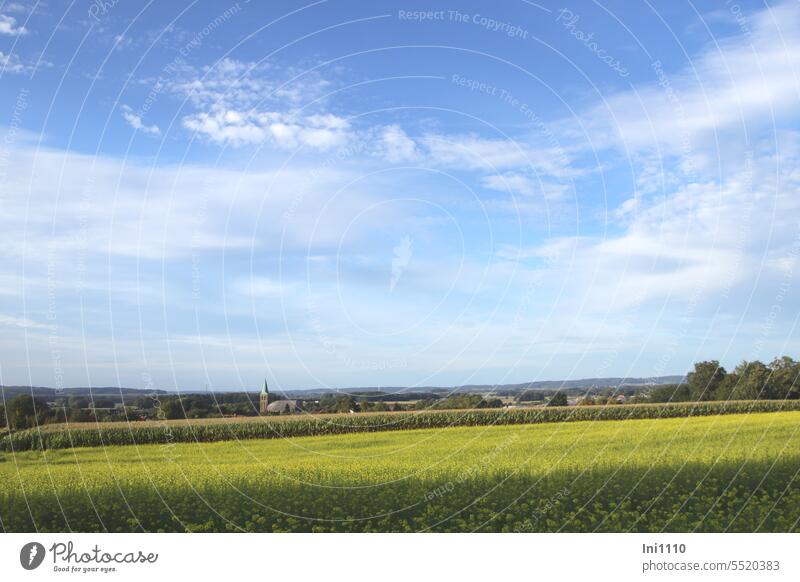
[(9, 27), (738, 83), (284, 130), (135, 121), (397, 146), (24, 322), (12, 64), (703, 241), (242, 103)]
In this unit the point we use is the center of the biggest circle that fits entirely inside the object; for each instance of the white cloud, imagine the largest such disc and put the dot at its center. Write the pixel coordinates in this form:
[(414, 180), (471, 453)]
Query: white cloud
[(284, 130), (233, 84), (474, 152), (8, 26), (736, 84), (702, 241), (135, 121), (514, 183), (73, 204), (244, 103), (12, 64), (23, 322), (397, 145), (16, 7)]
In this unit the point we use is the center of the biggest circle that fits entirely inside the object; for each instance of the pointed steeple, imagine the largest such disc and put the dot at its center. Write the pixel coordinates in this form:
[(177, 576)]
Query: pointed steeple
[(263, 400)]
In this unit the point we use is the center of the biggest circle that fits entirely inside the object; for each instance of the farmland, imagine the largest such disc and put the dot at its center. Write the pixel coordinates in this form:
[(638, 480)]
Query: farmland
[(58, 436), (733, 472)]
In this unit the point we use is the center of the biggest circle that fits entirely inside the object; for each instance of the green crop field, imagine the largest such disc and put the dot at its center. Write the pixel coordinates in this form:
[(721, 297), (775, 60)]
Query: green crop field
[(90, 434), (713, 473)]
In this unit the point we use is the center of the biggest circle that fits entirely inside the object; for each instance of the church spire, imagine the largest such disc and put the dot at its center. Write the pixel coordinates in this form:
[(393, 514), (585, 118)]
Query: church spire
[(263, 401)]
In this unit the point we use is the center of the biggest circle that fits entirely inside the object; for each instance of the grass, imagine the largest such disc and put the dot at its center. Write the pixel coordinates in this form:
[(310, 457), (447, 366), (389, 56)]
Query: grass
[(712, 473)]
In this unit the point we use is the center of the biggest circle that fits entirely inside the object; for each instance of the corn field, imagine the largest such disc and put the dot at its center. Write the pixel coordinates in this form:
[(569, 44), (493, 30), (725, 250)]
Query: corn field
[(154, 432)]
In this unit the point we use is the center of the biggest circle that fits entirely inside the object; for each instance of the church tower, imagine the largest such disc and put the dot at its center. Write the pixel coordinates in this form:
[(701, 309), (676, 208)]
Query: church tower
[(264, 401)]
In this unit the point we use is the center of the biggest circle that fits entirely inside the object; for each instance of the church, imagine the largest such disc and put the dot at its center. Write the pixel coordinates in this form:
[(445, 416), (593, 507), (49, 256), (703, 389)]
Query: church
[(276, 407)]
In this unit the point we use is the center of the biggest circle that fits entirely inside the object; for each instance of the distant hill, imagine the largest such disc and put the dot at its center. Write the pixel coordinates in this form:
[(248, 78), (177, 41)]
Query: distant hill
[(545, 385), (584, 383), (407, 392), (50, 393)]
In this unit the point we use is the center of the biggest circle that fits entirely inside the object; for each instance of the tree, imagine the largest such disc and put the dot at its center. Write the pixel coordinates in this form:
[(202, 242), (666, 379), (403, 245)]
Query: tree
[(327, 403), (172, 409), (558, 399), (530, 396), (490, 403), (725, 389), (752, 382), (77, 402), (785, 377), (26, 411), (3, 421), (705, 380), (670, 393), (103, 402), (345, 404)]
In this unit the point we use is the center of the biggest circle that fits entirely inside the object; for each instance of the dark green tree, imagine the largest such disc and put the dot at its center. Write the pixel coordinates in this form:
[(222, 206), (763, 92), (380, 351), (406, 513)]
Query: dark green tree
[(670, 393), (26, 411), (530, 396), (346, 404), (103, 402), (172, 408), (705, 379), (558, 399), (725, 389), (785, 378), (752, 382)]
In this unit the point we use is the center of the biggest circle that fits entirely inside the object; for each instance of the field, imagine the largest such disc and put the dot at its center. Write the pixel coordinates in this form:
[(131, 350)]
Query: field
[(59, 436), (735, 472)]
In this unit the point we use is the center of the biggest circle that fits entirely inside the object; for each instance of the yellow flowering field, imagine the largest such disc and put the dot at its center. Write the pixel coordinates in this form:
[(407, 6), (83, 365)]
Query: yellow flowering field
[(735, 472)]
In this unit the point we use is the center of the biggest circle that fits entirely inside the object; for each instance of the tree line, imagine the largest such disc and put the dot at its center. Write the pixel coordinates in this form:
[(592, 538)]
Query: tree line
[(754, 380), (708, 381), (26, 411)]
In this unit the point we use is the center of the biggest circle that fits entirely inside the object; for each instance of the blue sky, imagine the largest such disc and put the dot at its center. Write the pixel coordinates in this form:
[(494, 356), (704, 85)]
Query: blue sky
[(395, 193)]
